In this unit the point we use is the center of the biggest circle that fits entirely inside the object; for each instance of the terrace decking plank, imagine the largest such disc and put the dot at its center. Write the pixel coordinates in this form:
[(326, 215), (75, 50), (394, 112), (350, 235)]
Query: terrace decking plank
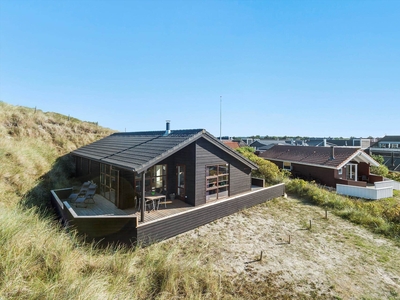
[(104, 207), (102, 221)]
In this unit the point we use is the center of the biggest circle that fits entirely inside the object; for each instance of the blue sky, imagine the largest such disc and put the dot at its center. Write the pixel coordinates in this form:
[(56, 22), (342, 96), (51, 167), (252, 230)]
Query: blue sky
[(307, 68)]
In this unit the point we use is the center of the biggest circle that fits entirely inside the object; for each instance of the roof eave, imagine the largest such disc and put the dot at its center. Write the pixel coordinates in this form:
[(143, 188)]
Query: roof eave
[(225, 148), (169, 152), (302, 163)]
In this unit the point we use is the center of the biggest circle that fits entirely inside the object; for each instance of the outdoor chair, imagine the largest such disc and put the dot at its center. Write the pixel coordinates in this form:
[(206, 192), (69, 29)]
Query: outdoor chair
[(84, 188), (88, 197), (149, 204), (162, 201)]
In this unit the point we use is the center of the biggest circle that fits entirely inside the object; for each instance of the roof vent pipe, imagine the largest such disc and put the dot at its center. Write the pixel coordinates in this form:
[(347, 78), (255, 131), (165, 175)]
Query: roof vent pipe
[(332, 152), (324, 142), (167, 130)]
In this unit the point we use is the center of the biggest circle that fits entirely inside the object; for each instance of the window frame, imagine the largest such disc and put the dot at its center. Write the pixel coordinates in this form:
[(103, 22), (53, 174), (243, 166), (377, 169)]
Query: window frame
[(217, 181), (284, 166)]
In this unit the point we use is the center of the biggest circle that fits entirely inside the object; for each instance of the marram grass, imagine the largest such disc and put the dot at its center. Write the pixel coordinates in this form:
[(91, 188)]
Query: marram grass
[(380, 216)]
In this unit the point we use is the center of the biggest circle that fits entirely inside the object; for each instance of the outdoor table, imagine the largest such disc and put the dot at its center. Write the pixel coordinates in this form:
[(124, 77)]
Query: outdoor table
[(155, 198)]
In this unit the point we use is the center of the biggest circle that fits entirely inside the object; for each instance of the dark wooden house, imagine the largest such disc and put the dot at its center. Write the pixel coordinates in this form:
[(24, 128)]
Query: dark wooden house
[(326, 165), (389, 148), (202, 179), (192, 164)]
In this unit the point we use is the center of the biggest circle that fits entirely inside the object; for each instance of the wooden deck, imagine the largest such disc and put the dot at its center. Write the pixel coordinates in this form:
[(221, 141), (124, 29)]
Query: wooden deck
[(103, 207), (104, 223)]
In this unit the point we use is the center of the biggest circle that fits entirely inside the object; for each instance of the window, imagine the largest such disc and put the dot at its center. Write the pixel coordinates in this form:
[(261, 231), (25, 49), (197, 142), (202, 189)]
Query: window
[(217, 182), (340, 171), (109, 183), (395, 146), (287, 166), (155, 180)]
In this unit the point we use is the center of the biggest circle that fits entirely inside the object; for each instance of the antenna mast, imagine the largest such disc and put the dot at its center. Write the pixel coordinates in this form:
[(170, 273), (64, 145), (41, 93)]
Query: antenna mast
[(220, 118)]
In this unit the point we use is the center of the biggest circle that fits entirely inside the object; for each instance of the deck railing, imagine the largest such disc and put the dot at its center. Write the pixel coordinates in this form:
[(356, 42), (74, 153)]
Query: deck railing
[(103, 229), (373, 193), (125, 228), (388, 182)]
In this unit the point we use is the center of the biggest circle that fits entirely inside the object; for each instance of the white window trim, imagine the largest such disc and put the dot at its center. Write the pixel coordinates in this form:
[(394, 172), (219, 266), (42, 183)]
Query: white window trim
[(285, 168)]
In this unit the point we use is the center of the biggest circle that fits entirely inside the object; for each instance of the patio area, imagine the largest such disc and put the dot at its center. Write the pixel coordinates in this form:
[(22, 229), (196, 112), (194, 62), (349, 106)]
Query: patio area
[(103, 207), (103, 222)]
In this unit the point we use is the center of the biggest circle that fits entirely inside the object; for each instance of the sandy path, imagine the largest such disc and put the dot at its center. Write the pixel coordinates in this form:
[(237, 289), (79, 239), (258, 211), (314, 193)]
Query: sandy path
[(334, 259)]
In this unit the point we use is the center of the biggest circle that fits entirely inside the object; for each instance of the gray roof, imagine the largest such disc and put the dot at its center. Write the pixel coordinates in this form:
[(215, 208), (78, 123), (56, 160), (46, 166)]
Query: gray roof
[(138, 151), (390, 138), (387, 139)]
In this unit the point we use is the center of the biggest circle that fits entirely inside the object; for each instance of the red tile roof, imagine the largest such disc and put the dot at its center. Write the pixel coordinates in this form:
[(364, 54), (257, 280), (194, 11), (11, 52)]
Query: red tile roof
[(231, 144)]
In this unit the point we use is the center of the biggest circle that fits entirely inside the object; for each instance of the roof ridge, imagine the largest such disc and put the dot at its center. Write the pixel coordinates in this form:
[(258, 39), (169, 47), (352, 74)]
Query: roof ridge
[(158, 132)]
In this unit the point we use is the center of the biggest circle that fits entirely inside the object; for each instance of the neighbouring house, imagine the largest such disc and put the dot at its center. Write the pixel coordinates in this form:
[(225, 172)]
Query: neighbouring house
[(262, 145), (231, 144), (389, 148), (344, 168), (200, 178), (325, 165), (353, 142)]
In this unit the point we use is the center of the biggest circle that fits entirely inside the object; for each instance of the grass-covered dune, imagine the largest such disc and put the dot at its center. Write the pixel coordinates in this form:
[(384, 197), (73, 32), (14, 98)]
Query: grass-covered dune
[(31, 143)]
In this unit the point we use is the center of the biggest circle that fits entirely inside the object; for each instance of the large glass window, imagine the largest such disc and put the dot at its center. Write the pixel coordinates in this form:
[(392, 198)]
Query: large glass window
[(155, 180), (109, 183), (217, 182)]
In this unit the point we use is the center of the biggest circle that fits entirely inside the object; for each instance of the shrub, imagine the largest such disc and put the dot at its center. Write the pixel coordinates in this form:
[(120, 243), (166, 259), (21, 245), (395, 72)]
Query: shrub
[(266, 169), (382, 170)]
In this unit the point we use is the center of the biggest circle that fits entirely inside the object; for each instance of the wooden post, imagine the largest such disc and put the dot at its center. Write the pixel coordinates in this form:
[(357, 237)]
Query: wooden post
[(289, 239), (143, 204), (261, 256), (326, 214), (310, 225)]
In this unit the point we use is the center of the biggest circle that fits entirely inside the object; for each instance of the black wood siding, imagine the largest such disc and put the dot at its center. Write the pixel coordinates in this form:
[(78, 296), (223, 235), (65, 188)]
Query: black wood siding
[(126, 189), (174, 225), (86, 169), (208, 154), (186, 157)]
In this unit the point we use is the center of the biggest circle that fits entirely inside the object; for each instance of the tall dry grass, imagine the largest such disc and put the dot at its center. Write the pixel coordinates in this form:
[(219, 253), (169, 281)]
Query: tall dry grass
[(41, 261), (380, 216), (31, 142)]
